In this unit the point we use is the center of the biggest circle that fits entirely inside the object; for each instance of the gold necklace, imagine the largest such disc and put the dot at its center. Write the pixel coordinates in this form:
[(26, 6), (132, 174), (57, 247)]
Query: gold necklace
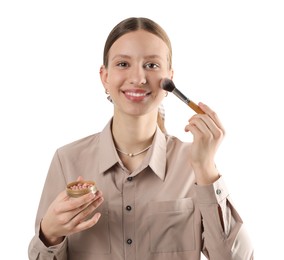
[(133, 154)]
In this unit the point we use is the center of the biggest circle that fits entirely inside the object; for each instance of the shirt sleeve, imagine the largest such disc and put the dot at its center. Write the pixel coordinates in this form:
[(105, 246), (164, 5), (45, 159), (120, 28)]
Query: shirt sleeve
[(38, 250), (53, 186), (224, 235)]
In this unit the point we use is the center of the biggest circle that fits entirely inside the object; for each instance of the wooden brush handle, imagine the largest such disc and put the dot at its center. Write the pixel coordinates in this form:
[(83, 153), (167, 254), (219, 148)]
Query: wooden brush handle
[(195, 107)]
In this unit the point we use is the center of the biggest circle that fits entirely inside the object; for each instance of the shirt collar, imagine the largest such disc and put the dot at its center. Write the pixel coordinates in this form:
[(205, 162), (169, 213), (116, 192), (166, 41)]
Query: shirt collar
[(156, 158), (107, 153), (158, 155)]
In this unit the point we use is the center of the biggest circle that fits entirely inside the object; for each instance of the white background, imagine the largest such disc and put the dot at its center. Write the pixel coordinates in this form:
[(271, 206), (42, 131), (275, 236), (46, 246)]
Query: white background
[(228, 54)]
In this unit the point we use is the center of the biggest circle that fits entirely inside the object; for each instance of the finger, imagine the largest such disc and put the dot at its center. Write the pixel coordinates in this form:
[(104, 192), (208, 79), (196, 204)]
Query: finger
[(197, 127), (91, 205), (84, 214), (207, 126), (212, 114), (193, 129), (80, 178), (72, 204), (88, 223)]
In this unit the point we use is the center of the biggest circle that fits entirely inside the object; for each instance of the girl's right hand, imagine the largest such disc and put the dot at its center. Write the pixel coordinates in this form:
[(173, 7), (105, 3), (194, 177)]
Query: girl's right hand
[(68, 215)]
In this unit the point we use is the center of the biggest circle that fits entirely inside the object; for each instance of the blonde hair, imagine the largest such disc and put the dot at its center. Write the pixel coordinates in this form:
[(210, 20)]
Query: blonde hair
[(161, 119)]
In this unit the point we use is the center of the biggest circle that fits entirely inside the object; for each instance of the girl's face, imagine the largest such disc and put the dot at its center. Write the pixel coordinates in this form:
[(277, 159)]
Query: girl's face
[(137, 63)]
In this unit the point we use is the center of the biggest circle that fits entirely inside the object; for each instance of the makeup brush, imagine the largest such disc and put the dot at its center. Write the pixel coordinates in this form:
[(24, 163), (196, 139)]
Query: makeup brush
[(169, 86)]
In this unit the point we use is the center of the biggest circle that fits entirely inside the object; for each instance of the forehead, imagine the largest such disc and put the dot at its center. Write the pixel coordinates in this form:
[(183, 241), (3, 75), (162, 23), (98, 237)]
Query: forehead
[(139, 42)]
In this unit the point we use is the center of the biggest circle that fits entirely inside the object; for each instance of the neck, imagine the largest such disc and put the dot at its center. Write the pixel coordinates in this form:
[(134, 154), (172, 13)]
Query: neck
[(133, 134)]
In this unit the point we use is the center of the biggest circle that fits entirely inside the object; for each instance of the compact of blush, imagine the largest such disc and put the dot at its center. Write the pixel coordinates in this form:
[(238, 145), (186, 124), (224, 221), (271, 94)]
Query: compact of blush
[(78, 188)]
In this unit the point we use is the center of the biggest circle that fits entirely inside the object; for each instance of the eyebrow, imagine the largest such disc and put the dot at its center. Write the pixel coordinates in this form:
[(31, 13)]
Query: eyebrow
[(124, 56)]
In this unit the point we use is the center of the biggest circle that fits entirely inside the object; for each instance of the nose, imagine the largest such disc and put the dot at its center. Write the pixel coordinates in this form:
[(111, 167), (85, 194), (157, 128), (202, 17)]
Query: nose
[(137, 76)]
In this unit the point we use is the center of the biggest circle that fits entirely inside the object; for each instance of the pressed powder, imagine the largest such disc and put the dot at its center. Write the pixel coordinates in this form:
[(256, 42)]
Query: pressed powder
[(78, 188)]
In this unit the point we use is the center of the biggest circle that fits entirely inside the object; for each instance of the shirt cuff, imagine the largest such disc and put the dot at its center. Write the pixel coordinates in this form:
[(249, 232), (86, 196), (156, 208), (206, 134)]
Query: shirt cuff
[(213, 193), (56, 250)]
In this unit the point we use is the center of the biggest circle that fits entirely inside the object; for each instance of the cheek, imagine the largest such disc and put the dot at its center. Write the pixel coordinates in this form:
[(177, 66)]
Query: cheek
[(115, 77), (160, 94), (114, 80)]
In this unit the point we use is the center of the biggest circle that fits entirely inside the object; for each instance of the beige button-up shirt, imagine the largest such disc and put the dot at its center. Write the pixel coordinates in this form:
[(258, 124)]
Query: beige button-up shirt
[(156, 212)]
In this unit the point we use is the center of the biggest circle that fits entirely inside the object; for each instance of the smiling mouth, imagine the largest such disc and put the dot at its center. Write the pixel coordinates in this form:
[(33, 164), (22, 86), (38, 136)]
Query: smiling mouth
[(136, 94)]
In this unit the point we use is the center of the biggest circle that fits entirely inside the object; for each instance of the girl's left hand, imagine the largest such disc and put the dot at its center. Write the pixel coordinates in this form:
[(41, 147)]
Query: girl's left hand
[(208, 133)]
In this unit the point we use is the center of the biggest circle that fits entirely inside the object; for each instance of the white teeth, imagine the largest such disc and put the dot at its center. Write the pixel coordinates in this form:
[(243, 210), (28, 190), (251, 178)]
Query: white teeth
[(135, 94)]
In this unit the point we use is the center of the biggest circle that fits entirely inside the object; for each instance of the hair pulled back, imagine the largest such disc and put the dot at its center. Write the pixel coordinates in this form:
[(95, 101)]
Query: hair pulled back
[(134, 24)]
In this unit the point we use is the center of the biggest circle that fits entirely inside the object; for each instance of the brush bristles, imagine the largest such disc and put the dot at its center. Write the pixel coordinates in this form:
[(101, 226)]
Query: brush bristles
[(167, 84)]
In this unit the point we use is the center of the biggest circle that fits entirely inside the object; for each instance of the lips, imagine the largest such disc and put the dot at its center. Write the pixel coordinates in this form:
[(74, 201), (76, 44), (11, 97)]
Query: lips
[(136, 95)]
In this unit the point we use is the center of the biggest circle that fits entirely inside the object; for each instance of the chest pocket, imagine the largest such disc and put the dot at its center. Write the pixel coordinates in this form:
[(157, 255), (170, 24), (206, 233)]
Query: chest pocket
[(171, 226)]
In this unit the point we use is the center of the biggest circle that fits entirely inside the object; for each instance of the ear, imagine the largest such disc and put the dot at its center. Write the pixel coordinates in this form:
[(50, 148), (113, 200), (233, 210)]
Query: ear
[(104, 76)]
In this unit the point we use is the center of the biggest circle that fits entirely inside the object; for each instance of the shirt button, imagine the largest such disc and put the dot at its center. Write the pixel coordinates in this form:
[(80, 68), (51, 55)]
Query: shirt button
[(129, 178), (128, 208), (129, 241), (218, 191)]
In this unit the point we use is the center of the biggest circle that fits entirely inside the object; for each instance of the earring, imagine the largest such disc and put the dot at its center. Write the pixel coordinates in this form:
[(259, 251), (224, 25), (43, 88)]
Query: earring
[(108, 97), (166, 93)]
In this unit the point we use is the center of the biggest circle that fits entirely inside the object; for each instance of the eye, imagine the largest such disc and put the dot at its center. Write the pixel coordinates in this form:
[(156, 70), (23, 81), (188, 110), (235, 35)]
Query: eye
[(122, 64), (152, 66)]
